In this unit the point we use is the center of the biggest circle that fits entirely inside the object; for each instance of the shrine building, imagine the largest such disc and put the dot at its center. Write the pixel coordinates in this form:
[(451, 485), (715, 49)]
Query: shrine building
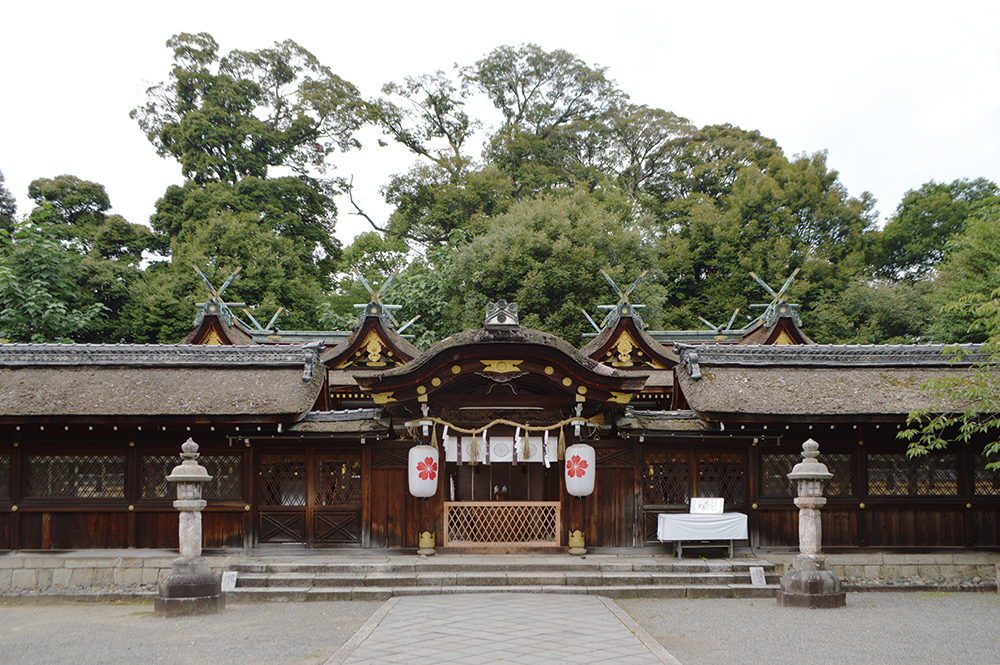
[(307, 436)]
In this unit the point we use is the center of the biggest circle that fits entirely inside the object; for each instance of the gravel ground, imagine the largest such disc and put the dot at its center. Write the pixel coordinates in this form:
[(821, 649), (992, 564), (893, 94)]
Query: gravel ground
[(878, 628), (102, 634)]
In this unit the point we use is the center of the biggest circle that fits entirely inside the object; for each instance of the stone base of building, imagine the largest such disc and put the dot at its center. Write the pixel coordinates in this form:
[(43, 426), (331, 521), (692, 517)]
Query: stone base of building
[(191, 588), (810, 584)]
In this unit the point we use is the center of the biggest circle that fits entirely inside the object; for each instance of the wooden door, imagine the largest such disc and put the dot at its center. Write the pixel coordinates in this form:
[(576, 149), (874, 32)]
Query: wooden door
[(310, 496)]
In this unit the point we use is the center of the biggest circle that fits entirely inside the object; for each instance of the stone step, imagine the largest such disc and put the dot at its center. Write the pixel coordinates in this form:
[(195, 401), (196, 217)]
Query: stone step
[(495, 578), (448, 565), (301, 594), (357, 578)]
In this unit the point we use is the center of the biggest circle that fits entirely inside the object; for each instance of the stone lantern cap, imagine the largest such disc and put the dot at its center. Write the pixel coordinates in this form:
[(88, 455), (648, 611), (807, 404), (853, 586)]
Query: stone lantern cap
[(189, 471), (810, 468)]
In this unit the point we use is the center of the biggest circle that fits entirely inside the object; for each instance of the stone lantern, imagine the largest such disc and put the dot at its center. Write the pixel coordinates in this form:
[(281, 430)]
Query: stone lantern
[(191, 588), (809, 583)]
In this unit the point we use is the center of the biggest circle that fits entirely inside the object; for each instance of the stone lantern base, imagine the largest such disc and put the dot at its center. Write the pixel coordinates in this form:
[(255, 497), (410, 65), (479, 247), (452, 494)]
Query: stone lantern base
[(810, 584), (191, 588)]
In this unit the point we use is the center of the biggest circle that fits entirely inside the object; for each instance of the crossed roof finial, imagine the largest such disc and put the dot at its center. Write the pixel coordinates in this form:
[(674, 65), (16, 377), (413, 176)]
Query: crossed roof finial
[(622, 308), (779, 305)]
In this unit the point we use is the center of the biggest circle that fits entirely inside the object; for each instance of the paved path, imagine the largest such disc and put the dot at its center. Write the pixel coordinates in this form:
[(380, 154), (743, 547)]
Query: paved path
[(887, 628), (878, 628), (522, 628)]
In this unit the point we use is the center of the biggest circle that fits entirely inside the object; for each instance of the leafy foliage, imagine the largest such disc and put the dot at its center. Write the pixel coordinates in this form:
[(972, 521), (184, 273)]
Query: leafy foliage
[(76, 211), (975, 394), (227, 118), (546, 254), (913, 242), (39, 290), (8, 207)]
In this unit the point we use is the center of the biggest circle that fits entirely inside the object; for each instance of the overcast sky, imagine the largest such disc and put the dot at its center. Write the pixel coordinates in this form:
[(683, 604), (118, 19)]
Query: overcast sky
[(898, 93)]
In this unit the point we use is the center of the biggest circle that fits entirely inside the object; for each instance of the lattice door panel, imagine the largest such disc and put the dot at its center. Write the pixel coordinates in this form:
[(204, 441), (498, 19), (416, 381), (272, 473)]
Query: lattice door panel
[(5, 477), (722, 475), (340, 527), (276, 526), (665, 479), (499, 524), (83, 476), (281, 480), (895, 474), (987, 482), (338, 480)]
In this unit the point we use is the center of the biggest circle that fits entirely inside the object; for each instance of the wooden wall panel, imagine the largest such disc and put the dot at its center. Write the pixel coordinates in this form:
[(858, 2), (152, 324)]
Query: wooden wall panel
[(775, 527), (983, 526), (157, 530), (610, 516), (77, 530), (222, 529), (903, 526)]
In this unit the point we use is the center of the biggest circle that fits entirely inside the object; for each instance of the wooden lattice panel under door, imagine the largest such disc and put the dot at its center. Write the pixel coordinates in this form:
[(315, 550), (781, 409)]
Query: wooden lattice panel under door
[(502, 524)]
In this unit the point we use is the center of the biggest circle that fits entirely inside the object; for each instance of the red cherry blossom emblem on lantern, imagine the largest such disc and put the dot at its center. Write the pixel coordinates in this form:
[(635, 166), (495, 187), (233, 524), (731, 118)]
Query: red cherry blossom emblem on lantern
[(428, 469), (576, 467)]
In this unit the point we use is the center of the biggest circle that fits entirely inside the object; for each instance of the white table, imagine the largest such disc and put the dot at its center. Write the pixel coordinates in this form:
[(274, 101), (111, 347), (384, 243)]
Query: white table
[(678, 527)]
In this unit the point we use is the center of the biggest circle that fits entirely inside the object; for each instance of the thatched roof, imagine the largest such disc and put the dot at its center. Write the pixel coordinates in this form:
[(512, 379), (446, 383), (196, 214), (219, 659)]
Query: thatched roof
[(816, 382), (199, 383)]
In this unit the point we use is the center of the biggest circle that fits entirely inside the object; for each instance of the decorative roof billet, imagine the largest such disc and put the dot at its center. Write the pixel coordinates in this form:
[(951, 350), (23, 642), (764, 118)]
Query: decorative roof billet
[(158, 355), (827, 355)]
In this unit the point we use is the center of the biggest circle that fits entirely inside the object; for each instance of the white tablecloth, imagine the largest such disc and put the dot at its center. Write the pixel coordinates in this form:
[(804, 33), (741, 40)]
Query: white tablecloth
[(684, 526)]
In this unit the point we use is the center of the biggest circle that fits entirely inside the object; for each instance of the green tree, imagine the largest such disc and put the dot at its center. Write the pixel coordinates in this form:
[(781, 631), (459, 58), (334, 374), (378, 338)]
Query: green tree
[(913, 241), (546, 254), (226, 118), (111, 248), (555, 111), (970, 266), (234, 123), (8, 207), (973, 396), (279, 231), (39, 292), (769, 218)]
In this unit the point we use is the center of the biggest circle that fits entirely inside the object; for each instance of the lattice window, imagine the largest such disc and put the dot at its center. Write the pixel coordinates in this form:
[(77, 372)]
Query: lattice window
[(226, 472), (721, 475), (5, 477), (987, 482), (77, 476), (282, 480), (895, 474), (665, 479), (338, 480), (227, 477), (500, 523), (775, 467), (155, 469)]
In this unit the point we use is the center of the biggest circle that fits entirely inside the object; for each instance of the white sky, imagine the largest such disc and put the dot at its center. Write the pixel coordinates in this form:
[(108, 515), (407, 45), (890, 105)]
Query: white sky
[(898, 93)]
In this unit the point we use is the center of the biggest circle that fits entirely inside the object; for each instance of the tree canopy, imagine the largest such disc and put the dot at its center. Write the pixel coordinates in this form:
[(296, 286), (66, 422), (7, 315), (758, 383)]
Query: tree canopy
[(532, 172)]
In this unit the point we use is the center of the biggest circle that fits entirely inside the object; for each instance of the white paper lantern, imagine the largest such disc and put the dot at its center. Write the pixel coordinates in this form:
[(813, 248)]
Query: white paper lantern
[(423, 471), (580, 469)]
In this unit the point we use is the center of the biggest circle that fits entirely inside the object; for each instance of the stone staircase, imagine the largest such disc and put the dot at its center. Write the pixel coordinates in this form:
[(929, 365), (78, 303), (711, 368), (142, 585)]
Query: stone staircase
[(339, 577)]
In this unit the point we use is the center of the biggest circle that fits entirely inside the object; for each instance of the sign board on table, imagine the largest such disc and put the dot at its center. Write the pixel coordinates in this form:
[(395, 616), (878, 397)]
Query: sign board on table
[(703, 505)]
